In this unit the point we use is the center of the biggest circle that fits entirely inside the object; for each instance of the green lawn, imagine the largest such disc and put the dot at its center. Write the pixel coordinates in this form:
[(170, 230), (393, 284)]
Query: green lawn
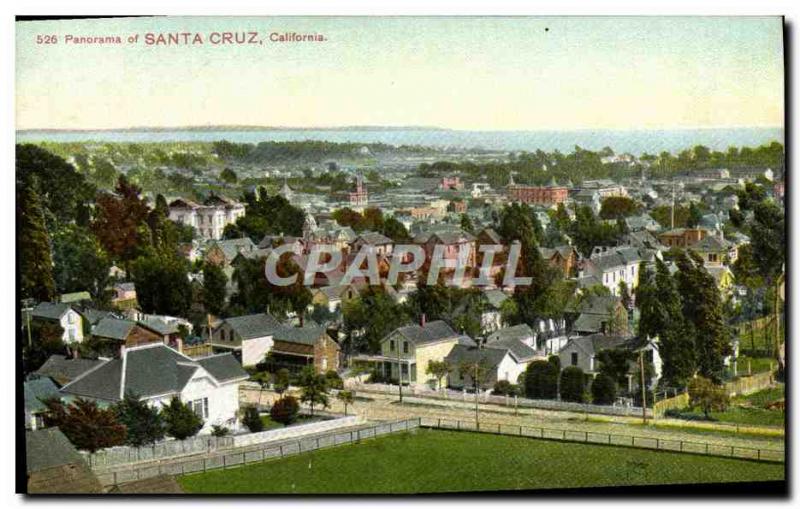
[(748, 410), (430, 461)]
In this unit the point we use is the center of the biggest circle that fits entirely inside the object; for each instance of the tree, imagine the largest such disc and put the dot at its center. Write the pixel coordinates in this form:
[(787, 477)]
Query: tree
[(314, 388), (228, 176), (281, 383), (439, 370), (86, 425), (180, 420), (541, 378), (695, 215), (395, 230), (45, 340), (615, 207), (604, 390), (466, 224), (284, 410), (505, 388), (703, 393), (615, 363), (120, 224), (214, 292), (162, 284), (219, 431), (143, 422), (572, 384), (80, 262), (252, 419), (477, 373), (369, 318), (333, 379), (34, 258), (702, 307), (346, 397)]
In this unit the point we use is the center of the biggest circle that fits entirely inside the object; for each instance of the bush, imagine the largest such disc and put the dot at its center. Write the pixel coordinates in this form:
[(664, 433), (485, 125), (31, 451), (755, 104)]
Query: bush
[(375, 377), (143, 422), (572, 386), (285, 410), (181, 422), (707, 396), (334, 380), (252, 420), (540, 380), (604, 390), (219, 431), (505, 388)]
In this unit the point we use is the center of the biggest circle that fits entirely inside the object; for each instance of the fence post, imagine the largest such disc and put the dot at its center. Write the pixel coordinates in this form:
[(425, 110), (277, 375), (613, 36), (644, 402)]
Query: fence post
[(520, 431), (281, 450), (439, 423), (657, 447), (498, 428), (585, 436)]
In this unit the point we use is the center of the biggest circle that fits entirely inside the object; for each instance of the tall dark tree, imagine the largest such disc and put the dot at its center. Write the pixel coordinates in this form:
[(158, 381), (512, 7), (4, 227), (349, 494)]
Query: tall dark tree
[(143, 422), (702, 307), (34, 260), (162, 284), (180, 421), (541, 380), (86, 425), (80, 262), (214, 288)]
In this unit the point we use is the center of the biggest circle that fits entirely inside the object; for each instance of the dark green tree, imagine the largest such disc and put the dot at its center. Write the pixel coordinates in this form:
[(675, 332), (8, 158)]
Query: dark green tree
[(314, 388), (80, 263), (541, 378), (214, 288), (604, 390), (285, 410), (34, 258), (252, 419), (142, 421), (162, 284), (572, 384), (180, 421)]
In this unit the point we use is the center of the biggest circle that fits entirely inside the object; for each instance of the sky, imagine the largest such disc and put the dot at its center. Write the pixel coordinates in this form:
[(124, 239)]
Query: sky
[(491, 73)]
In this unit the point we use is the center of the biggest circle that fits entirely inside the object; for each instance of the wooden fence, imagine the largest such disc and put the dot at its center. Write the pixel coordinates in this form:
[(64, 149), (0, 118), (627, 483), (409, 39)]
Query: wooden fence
[(233, 458), (598, 438)]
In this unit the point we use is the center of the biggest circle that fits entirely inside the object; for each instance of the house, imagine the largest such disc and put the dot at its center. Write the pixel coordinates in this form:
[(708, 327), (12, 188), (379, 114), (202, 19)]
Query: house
[(62, 369), (62, 314), (332, 297), (248, 337), (500, 364), (375, 242), (124, 296), (492, 317), (454, 241), (598, 314), (582, 352), (295, 347), (520, 340), (254, 339), (724, 278), (54, 466), (127, 333), (682, 237), (642, 222), (406, 351), (564, 258), (610, 265), (716, 250), (209, 218), (74, 297), (156, 373), (549, 196), (37, 390), (222, 252)]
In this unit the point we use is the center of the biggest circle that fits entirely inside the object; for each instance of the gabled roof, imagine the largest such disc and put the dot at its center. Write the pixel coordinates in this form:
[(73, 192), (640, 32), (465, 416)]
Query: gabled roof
[(434, 331), (37, 390), (595, 343), (64, 370), (374, 238), (515, 332), (595, 305), (48, 448), (232, 247), (713, 244), (113, 328), (449, 236), (299, 335), (93, 315), (253, 326), (50, 310), (495, 297), (490, 234), (149, 371), (490, 357)]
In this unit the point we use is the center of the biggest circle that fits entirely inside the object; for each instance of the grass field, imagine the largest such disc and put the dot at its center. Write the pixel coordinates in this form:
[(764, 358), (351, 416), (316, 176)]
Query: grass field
[(749, 410), (430, 461)]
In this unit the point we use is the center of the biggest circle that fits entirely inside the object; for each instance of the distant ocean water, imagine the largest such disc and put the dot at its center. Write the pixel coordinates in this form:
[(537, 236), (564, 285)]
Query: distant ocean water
[(632, 141)]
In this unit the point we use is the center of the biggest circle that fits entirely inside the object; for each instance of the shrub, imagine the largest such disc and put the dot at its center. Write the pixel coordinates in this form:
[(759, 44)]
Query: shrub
[(143, 422), (285, 410), (181, 421), (705, 395), (86, 425), (572, 386), (252, 420), (604, 390), (334, 380), (219, 431), (540, 380), (505, 388)]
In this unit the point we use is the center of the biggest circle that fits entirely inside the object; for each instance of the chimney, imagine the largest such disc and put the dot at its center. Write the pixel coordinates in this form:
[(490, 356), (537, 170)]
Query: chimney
[(422, 320)]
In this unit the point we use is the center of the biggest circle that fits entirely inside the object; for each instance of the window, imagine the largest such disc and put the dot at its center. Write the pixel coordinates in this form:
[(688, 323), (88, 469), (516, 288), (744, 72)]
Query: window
[(574, 359), (391, 345), (405, 346), (200, 407)]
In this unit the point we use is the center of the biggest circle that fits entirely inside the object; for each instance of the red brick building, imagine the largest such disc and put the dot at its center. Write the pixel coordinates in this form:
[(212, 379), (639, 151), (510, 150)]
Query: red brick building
[(538, 195)]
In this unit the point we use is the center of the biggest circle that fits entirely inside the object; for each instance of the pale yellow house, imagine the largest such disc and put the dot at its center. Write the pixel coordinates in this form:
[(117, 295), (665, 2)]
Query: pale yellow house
[(406, 351)]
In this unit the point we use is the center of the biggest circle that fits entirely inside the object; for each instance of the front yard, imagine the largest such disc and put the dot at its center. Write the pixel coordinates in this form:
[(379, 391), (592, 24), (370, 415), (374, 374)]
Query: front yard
[(431, 461), (757, 409)]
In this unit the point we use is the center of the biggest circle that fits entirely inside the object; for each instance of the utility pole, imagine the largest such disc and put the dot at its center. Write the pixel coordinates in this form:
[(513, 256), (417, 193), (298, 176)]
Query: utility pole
[(399, 372), (672, 215), (644, 393), (476, 395)]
